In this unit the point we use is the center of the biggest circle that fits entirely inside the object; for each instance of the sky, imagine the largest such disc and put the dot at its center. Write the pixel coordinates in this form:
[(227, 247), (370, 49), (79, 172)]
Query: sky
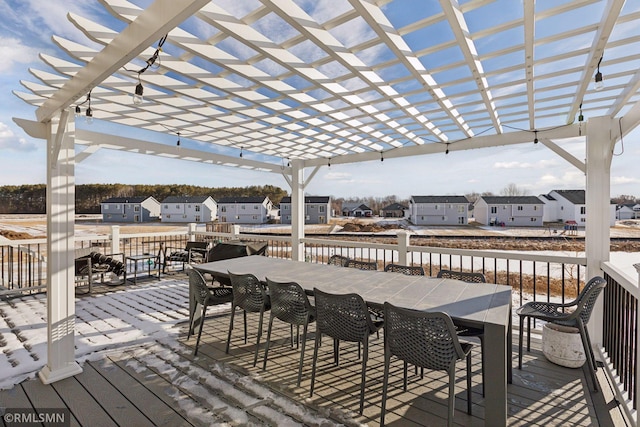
[(26, 30)]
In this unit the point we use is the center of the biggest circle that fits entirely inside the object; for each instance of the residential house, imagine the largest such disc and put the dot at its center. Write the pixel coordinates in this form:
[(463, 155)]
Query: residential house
[(189, 209), (245, 210), (395, 210), (439, 210), (628, 211), (511, 211), (317, 210), (360, 210), (569, 205), (130, 209)]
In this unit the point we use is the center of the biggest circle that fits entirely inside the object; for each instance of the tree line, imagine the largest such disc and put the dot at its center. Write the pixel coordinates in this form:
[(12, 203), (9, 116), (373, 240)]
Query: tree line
[(31, 199)]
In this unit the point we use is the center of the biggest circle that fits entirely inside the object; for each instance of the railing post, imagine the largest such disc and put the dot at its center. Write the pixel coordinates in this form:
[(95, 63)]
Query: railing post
[(235, 231), (192, 232), (115, 239), (403, 245)]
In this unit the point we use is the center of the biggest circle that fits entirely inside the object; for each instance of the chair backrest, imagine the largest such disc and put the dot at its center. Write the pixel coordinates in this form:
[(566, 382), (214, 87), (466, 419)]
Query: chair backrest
[(587, 298), (462, 275), (362, 265), (342, 316), (248, 292), (226, 251), (339, 260), (409, 270), (198, 286), (196, 245), (425, 339), (289, 302)]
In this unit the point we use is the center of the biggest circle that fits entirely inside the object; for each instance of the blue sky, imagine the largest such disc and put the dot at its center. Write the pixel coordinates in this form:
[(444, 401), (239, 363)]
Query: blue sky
[(26, 30)]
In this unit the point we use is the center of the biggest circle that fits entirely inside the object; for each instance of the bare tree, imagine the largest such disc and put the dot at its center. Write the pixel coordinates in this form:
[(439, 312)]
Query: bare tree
[(513, 190)]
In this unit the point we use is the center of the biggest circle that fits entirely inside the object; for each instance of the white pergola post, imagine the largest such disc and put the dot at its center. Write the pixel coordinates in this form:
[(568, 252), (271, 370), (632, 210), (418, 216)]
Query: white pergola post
[(60, 249), (297, 210), (600, 144)]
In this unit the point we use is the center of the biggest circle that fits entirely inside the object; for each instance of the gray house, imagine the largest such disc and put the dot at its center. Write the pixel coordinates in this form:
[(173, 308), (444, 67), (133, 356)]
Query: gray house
[(439, 210), (628, 211), (317, 210), (130, 209), (189, 209), (395, 210), (569, 205), (512, 211), (360, 210), (245, 210)]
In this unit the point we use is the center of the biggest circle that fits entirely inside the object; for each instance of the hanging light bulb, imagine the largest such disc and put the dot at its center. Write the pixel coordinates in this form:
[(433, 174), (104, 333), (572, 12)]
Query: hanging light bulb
[(598, 84), (78, 111), (89, 116), (178, 141), (382, 156), (329, 162), (447, 150), (137, 97), (240, 152), (535, 138)]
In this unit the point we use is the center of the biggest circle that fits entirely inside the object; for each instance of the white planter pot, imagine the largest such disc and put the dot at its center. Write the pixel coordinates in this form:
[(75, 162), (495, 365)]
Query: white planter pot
[(562, 345)]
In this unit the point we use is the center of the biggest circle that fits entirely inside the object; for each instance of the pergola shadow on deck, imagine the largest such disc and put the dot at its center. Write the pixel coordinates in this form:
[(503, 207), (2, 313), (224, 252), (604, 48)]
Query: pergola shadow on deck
[(159, 382)]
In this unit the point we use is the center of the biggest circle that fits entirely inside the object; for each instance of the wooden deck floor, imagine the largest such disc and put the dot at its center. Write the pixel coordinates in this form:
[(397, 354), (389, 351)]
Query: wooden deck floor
[(160, 383)]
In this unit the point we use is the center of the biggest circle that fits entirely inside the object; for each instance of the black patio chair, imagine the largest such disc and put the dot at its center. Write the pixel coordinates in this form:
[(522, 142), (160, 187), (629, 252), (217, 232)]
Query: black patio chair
[(339, 260), (289, 303), (250, 295), (192, 253), (575, 314), (409, 270), (362, 265), (428, 340), (343, 318), (467, 331), (201, 295)]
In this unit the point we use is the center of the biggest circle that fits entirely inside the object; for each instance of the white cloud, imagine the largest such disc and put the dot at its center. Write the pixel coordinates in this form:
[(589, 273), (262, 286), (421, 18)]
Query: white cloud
[(339, 176), (545, 163), (13, 53), (10, 141), (624, 180)]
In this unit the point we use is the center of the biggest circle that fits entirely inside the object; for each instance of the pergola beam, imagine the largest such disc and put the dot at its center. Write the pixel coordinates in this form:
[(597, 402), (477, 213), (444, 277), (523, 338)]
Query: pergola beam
[(158, 19)]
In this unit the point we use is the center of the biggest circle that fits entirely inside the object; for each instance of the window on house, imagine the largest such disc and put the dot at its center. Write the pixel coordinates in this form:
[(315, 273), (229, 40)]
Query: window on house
[(307, 217), (197, 218), (124, 215), (106, 207), (450, 206), (255, 217), (117, 206), (583, 210), (168, 216), (512, 219), (444, 218), (494, 209), (109, 216), (286, 207), (460, 220), (520, 208), (422, 218), (184, 216), (177, 206), (223, 208), (166, 206), (436, 207), (243, 207), (460, 209), (534, 219), (535, 208), (583, 220), (237, 216), (504, 207), (561, 208), (320, 208), (255, 207), (197, 208), (136, 208)]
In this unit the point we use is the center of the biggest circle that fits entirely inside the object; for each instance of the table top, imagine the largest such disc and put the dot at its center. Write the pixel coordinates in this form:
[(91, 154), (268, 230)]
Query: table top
[(141, 257), (472, 304)]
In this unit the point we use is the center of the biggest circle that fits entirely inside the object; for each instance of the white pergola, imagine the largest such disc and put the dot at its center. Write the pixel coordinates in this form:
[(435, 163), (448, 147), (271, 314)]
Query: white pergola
[(301, 84)]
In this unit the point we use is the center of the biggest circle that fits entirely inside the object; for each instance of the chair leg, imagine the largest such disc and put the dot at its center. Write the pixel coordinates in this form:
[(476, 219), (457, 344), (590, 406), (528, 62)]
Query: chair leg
[(529, 333), (452, 395), (204, 311), (520, 336), (363, 379), (233, 311), (336, 352), (481, 337), (244, 313), (304, 340), (586, 343), (266, 350), (405, 375), (255, 356), (469, 403), (315, 360), (192, 315), (385, 385)]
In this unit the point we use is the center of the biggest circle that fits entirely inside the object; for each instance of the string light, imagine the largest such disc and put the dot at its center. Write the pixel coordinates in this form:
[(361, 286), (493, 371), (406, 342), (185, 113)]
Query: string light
[(598, 84), (139, 90), (447, 150), (240, 152), (178, 142), (89, 113), (382, 156), (535, 138)]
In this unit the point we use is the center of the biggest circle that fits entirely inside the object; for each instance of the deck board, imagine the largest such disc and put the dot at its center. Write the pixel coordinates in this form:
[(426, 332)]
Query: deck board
[(46, 397), (83, 405)]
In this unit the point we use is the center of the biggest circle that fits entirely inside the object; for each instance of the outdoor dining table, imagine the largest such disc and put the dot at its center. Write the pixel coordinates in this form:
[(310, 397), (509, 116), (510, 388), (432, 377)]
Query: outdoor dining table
[(486, 306)]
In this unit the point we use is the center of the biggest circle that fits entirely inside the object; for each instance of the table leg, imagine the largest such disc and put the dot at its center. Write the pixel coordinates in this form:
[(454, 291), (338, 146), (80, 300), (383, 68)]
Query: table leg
[(495, 344)]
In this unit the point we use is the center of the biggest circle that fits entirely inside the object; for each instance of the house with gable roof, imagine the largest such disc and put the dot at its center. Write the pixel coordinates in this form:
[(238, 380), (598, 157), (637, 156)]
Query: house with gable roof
[(130, 209), (512, 211), (439, 210), (569, 205), (317, 210), (245, 210), (189, 209), (395, 210)]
